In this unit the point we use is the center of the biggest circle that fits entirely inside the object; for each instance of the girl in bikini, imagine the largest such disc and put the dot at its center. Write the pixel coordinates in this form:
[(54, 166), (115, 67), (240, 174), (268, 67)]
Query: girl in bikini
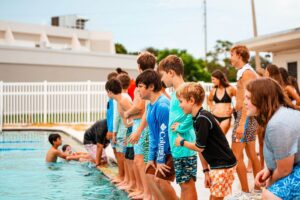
[(219, 99)]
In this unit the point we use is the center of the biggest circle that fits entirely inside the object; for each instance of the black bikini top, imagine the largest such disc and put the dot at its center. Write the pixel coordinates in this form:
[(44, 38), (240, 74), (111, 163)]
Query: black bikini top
[(225, 99)]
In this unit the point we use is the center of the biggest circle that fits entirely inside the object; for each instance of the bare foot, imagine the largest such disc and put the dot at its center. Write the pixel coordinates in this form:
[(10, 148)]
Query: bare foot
[(135, 193), (117, 180), (138, 197)]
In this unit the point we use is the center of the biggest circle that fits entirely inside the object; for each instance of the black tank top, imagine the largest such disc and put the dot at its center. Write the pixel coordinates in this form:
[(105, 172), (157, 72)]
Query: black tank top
[(225, 99)]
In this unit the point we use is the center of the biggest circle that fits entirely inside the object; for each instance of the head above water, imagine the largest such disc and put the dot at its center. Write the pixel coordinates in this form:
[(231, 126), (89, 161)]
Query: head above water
[(66, 147), (53, 138)]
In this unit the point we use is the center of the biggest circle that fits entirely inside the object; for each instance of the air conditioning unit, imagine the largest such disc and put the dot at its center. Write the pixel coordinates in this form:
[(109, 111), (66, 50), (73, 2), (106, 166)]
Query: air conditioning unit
[(69, 21)]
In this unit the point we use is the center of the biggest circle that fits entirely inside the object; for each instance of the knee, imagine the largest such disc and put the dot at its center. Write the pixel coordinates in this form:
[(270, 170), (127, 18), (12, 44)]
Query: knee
[(265, 194)]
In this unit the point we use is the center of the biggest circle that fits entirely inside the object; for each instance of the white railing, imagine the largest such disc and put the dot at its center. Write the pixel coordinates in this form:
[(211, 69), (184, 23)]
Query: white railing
[(55, 102)]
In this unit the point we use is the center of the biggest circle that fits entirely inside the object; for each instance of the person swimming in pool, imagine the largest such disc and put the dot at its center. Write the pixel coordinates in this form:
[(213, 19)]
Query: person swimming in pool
[(52, 154), (78, 156)]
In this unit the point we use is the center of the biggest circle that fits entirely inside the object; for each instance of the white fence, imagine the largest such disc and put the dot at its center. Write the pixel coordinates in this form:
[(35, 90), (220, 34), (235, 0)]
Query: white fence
[(54, 102)]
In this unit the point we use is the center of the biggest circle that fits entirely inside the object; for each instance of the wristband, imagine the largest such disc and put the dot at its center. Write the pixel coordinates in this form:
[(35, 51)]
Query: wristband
[(182, 142), (205, 170)]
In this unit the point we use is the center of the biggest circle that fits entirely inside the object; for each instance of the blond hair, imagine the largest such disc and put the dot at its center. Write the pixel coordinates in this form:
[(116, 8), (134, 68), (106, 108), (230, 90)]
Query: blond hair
[(191, 90)]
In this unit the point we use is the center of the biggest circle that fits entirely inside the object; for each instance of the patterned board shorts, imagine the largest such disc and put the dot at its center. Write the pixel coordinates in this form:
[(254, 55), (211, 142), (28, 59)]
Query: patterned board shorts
[(221, 181), (185, 169), (288, 188), (249, 129)]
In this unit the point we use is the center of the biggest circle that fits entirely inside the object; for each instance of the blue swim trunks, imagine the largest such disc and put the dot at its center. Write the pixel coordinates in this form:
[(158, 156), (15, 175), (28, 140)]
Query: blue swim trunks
[(138, 148), (185, 168), (288, 188)]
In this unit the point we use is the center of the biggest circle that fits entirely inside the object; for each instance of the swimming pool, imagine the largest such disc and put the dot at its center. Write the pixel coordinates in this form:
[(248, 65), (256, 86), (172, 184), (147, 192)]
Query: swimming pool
[(24, 174)]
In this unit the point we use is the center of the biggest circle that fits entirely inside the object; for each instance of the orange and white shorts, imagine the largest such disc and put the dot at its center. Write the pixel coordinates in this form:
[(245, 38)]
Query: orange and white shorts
[(221, 181)]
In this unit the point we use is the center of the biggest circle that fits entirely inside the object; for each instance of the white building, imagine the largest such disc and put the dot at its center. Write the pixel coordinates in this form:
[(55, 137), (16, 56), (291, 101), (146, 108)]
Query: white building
[(284, 46), (38, 52)]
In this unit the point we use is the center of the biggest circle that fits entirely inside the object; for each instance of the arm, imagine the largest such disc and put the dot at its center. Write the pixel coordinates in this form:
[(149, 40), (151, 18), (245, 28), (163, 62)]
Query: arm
[(61, 154), (137, 108), (201, 138), (163, 121), (125, 105), (292, 93), (284, 168), (110, 115), (99, 154), (232, 91), (134, 137), (185, 126), (246, 78), (210, 100), (116, 117)]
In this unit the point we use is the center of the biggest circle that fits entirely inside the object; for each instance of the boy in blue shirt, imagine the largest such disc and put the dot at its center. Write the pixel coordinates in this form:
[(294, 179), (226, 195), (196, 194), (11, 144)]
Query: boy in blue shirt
[(149, 86), (185, 160)]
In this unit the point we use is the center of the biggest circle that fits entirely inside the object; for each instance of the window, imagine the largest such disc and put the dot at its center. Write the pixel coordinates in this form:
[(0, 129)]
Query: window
[(292, 69)]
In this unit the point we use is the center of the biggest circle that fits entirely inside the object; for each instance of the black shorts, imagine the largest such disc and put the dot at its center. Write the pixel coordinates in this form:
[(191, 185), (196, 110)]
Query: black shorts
[(129, 153)]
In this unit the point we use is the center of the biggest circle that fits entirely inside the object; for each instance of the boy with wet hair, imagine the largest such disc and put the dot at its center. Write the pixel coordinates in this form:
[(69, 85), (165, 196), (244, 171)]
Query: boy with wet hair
[(216, 157), (171, 70), (53, 152)]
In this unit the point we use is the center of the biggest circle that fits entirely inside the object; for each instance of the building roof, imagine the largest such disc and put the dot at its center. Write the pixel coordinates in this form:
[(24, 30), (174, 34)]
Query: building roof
[(275, 42)]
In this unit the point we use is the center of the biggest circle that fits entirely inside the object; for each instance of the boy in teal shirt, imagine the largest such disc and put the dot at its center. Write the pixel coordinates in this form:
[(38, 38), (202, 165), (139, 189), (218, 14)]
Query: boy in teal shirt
[(185, 160)]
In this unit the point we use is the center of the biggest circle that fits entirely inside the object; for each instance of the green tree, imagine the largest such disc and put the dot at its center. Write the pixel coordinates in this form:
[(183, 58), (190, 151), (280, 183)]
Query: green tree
[(218, 59), (120, 49), (194, 69)]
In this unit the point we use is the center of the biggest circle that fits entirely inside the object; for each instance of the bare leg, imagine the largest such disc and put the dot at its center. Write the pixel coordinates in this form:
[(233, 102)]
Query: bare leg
[(216, 198), (167, 190), (267, 195), (120, 176), (188, 190), (225, 125), (237, 149), (251, 153)]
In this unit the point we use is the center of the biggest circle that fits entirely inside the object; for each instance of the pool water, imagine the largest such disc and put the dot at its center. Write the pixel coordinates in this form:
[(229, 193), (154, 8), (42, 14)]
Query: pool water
[(24, 174)]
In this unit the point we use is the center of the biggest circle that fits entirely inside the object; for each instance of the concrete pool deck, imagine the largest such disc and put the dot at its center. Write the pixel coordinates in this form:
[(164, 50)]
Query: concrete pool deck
[(77, 132)]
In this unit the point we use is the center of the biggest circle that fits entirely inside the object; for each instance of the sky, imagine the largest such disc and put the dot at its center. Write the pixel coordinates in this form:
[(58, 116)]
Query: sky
[(138, 24)]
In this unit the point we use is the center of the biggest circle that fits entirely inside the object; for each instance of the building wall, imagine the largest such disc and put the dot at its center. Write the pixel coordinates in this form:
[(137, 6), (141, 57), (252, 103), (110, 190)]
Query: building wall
[(30, 64), (36, 73), (281, 59)]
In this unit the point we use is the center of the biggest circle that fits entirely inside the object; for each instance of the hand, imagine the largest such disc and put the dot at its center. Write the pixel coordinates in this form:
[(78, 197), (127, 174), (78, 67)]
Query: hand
[(113, 140), (207, 180), (239, 132), (150, 163), (177, 140), (134, 137), (162, 168), (109, 135), (126, 114), (262, 177), (174, 126)]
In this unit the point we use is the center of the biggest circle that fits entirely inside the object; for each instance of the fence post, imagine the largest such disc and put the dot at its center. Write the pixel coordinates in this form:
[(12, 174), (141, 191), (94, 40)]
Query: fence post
[(45, 101), (1, 105), (89, 101)]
